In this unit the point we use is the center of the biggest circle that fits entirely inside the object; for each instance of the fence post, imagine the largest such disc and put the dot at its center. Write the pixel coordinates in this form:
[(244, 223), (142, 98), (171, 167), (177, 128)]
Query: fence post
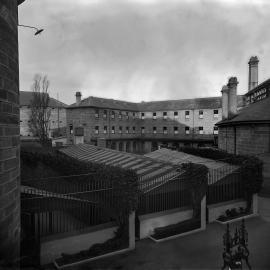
[(131, 221), (203, 213), (255, 203)]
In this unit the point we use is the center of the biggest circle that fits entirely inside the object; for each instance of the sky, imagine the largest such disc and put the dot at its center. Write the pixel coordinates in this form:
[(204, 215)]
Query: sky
[(142, 50)]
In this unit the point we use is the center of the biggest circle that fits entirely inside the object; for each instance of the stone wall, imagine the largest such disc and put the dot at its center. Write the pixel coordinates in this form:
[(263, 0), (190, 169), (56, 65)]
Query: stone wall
[(250, 139), (9, 133)]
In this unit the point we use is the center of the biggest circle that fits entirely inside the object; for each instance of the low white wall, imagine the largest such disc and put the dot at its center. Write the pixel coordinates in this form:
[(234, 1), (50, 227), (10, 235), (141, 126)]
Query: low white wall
[(51, 248), (160, 219), (215, 210)]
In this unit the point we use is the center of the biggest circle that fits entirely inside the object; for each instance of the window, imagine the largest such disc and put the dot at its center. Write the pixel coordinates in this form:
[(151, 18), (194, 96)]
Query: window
[(187, 114), (133, 129), (165, 131), (113, 129), (215, 113), (120, 115), (127, 116), (200, 114), (175, 114), (164, 115), (215, 130), (96, 113), (154, 115), (70, 129), (134, 115), (105, 114), (187, 130), (200, 130), (154, 130), (120, 130), (96, 129), (113, 115), (142, 130), (175, 130), (127, 130), (105, 130), (142, 115)]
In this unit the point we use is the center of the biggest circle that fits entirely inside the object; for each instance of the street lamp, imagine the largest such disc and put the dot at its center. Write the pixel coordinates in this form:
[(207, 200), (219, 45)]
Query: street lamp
[(38, 31)]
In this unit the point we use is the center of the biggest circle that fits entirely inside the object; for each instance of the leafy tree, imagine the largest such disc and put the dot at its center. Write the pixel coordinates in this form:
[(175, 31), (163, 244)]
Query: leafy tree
[(40, 111)]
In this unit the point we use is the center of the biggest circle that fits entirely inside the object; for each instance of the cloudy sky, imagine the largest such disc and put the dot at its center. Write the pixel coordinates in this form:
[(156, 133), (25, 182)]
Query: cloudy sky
[(143, 49)]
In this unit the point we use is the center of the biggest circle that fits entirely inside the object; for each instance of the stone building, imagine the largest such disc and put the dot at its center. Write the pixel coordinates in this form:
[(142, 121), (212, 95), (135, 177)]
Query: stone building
[(144, 127), (247, 131), (57, 118), (9, 133)]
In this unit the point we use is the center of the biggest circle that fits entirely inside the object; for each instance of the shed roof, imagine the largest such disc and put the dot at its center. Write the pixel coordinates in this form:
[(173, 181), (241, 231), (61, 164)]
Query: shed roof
[(177, 158), (152, 173)]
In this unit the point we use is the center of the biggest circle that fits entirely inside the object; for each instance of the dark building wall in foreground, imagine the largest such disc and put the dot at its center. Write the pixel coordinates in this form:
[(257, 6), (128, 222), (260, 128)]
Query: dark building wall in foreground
[(9, 133), (246, 139)]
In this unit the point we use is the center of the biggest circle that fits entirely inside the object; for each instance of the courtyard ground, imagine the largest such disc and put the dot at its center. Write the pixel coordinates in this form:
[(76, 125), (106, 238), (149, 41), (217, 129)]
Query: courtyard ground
[(202, 250)]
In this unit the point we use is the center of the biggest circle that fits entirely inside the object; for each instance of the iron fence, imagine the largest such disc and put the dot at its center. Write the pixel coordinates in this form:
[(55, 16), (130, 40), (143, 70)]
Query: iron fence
[(171, 193), (225, 184), (64, 204)]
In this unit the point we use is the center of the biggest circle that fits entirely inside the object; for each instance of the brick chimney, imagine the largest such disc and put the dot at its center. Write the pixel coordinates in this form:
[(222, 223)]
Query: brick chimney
[(253, 72), (225, 91), (232, 96), (78, 98)]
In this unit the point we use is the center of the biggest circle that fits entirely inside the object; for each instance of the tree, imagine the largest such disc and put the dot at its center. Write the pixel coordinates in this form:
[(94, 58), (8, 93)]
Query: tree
[(40, 111)]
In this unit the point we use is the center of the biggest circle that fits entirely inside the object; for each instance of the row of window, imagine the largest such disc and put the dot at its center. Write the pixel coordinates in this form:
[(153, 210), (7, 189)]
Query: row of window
[(165, 130), (154, 114), (28, 121)]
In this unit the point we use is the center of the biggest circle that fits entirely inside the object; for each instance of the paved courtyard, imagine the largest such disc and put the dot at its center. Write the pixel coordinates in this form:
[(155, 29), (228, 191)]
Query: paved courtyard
[(198, 251)]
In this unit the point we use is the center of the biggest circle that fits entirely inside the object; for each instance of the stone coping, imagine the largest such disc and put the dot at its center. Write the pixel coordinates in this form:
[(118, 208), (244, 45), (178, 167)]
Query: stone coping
[(164, 213)]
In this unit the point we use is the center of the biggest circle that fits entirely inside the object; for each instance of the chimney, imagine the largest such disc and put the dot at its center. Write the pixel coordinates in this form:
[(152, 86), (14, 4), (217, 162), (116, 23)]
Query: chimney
[(232, 96), (224, 92), (78, 98), (253, 72)]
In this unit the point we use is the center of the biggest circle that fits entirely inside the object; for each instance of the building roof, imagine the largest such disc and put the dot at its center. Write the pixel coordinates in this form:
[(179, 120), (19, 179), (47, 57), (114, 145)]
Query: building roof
[(106, 103), (26, 96), (258, 87), (185, 104), (151, 173), (257, 112), (165, 105)]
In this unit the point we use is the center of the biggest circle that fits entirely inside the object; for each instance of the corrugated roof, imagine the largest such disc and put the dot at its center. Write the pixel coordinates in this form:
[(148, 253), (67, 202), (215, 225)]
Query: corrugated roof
[(177, 158), (26, 96), (151, 173), (256, 112), (165, 105)]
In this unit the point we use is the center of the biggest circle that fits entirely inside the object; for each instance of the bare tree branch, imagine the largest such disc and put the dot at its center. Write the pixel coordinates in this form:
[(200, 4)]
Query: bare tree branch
[(40, 111)]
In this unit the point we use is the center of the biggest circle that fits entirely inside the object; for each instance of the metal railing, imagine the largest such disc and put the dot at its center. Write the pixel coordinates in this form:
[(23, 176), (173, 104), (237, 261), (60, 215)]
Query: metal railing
[(225, 184), (169, 193)]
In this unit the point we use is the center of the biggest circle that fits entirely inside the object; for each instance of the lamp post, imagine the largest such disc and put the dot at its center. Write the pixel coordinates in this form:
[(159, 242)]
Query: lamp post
[(38, 31)]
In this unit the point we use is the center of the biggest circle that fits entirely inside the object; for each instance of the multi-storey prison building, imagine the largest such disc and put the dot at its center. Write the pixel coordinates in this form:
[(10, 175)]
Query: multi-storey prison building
[(146, 126)]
